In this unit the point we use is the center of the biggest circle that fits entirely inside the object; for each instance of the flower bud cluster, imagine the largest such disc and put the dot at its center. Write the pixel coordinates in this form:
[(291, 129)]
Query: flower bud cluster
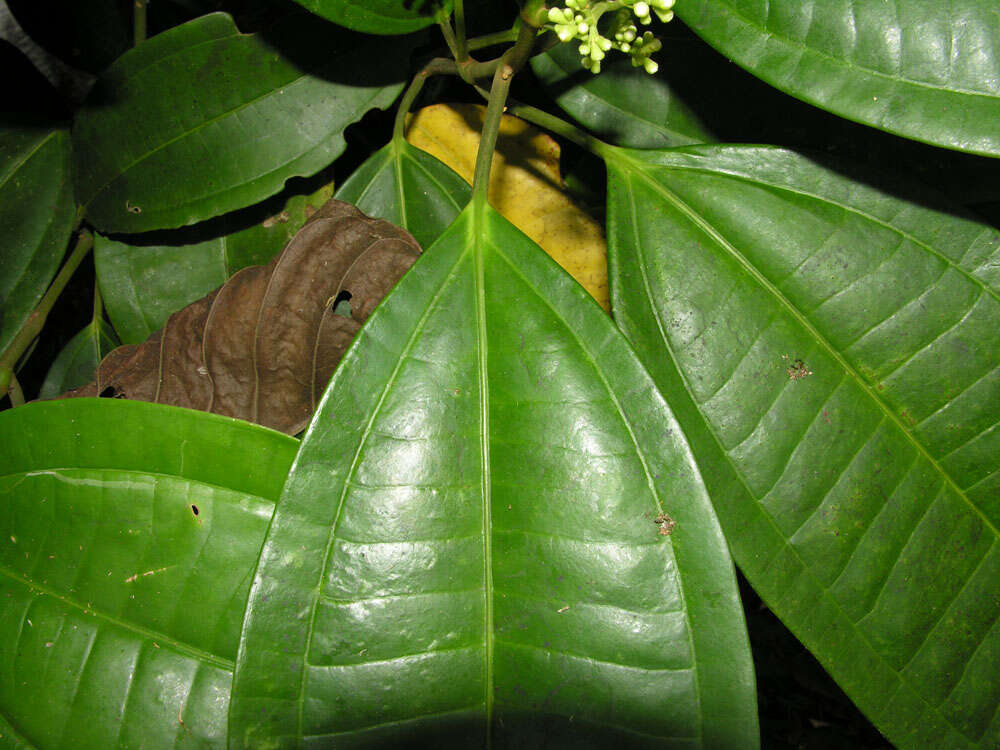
[(579, 18)]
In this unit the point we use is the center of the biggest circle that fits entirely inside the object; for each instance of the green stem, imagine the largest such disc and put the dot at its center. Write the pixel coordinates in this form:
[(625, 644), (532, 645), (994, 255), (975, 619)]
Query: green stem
[(463, 52), (518, 55), (15, 392), (488, 140), (448, 33), (139, 21), (33, 326), (437, 66), (563, 128), (490, 40)]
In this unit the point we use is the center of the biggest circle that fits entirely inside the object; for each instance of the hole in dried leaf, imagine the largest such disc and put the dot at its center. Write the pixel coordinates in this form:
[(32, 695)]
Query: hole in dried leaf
[(111, 392), (342, 304)]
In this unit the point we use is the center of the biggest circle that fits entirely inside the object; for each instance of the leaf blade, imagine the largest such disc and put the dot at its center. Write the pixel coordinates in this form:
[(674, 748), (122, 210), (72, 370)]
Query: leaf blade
[(378, 17), (35, 221), (621, 105), (880, 65), (203, 97), (418, 523), (825, 302), (409, 188), (130, 536), (77, 363)]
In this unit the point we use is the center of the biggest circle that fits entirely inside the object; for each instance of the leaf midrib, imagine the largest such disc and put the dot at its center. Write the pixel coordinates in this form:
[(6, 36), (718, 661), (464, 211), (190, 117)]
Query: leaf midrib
[(768, 519), (477, 241), (185, 648), (670, 197)]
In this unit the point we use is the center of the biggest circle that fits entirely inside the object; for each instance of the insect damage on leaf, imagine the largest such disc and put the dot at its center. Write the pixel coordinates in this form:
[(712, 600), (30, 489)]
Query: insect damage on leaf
[(263, 346), (665, 524), (797, 369)]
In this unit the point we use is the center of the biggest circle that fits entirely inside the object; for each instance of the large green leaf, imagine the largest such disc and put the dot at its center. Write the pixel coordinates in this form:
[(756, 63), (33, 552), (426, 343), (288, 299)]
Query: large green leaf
[(408, 187), (377, 16), (36, 218), (76, 364), (474, 539), (143, 284), (201, 119), (918, 68), (832, 351), (623, 105), (129, 536)]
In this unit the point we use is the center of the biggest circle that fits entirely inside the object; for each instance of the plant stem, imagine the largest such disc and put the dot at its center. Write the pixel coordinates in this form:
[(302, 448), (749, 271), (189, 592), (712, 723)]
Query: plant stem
[(33, 326), (463, 52), (139, 21), (561, 127), (448, 33), (489, 40), (437, 66), (488, 140), (15, 392)]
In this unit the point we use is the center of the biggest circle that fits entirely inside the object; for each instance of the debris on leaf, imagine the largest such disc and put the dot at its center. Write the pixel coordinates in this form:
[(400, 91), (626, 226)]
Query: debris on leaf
[(797, 370), (665, 524), (263, 346)]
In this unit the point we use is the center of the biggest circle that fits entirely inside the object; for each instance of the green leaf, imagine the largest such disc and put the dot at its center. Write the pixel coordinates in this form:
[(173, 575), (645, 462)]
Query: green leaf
[(923, 70), (201, 119), (77, 363), (129, 536), (36, 218), (377, 16), (471, 540), (831, 350), (623, 105), (143, 285), (409, 188)]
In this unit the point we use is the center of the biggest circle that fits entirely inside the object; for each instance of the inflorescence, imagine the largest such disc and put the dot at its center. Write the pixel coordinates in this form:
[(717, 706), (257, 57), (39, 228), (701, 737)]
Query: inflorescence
[(578, 20)]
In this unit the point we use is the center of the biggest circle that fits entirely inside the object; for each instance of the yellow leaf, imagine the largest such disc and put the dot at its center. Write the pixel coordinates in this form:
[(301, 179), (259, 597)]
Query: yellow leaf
[(525, 186)]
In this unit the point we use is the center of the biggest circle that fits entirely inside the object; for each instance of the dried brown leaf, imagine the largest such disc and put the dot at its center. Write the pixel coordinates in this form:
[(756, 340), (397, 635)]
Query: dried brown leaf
[(263, 346)]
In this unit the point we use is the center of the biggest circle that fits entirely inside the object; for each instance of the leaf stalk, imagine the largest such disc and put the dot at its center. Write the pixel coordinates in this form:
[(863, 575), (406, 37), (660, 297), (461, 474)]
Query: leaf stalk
[(33, 326)]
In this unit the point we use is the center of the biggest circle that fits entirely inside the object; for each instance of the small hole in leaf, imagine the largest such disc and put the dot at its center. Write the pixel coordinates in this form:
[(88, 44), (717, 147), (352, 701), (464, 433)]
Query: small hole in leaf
[(194, 509), (342, 304), (111, 392)]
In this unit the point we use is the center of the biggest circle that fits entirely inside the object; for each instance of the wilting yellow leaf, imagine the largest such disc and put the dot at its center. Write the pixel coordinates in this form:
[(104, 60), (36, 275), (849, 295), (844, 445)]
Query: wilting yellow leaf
[(525, 186)]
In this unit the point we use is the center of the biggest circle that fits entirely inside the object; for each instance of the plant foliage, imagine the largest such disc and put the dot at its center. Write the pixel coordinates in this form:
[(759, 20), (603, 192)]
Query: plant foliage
[(509, 520)]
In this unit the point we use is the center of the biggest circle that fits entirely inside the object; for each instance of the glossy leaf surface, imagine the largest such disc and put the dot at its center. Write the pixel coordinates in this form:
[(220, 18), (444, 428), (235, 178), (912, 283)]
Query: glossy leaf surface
[(130, 533), (377, 16), (623, 105), (924, 70), (77, 363), (493, 527), (832, 351), (36, 217), (201, 119), (143, 285), (405, 186)]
